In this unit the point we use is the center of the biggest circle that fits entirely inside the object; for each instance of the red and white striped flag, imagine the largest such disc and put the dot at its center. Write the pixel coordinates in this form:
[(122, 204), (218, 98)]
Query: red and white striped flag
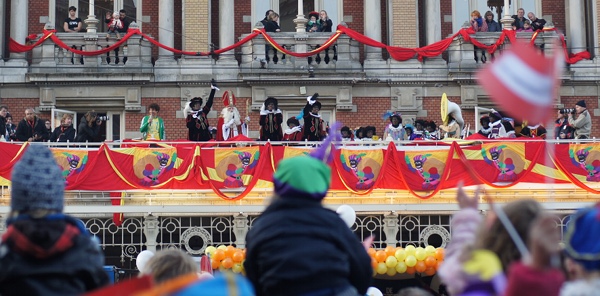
[(523, 82)]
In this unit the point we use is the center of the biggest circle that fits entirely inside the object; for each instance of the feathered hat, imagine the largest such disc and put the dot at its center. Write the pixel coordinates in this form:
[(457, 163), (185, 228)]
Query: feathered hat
[(313, 13), (194, 101), (228, 99), (271, 100), (388, 116), (307, 176)]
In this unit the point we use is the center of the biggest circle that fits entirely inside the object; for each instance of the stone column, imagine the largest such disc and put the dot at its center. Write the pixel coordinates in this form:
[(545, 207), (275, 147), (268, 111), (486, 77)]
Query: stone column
[(506, 20), (151, 231), (300, 20), (372, 22), (433, 23), (19, 28), (92, 21), (240, 229), (166, 13), (226, 28), (2, 37), (576, 26), (391, 228)]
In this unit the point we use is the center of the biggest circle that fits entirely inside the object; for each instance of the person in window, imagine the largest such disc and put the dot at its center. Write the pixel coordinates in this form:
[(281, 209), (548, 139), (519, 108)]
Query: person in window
[(325, 22), (536, 23), (313, 25), (519, 19), (65, 132), (88, 128), (492, 25), (153, 126), (72, 24)]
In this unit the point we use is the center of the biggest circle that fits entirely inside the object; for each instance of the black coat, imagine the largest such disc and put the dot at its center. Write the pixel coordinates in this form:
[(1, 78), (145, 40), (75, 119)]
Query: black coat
[(26, 131), (86, 132), (297, 246), (3, 127), (60, 135), (70, 267), (198, 127)]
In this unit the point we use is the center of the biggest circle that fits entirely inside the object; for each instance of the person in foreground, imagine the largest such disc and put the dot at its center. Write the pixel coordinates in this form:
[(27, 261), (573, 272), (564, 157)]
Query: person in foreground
[(298, 247), (43, 251)]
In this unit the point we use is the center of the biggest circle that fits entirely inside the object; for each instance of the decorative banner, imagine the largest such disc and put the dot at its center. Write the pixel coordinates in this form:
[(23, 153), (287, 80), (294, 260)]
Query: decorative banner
[(71, 162), (580, 163), (359, 169), (425, 169)]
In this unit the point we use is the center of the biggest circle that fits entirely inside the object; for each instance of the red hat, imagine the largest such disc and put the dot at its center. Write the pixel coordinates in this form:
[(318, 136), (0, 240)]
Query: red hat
[(228, 99), (316, 14)]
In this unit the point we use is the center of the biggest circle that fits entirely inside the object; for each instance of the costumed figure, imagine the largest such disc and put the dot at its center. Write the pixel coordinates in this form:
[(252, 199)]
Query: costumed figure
[(498, 129), (369, 133), (294, 131), (453, 122), (505, 166), (533, 131), (409, 129), (270, 121), (152, 173), (300, 184), (419, 132), (485, 129), (509, 126), (431, 131), (431, 178), (365, 175), (234, 174), (229, 124), (452, 129), (196, 120), (314, 126), (580, 159), (394, 131), (347, 135), (358, 133)]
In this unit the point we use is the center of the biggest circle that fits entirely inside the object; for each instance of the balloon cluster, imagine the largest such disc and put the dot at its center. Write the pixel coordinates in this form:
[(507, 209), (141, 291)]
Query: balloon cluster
[(226, 257), (409, 260)]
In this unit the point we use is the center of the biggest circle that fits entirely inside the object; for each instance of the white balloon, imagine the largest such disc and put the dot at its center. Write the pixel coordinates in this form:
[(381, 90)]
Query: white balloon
[(372, 291), (347, 214), (142, 259)]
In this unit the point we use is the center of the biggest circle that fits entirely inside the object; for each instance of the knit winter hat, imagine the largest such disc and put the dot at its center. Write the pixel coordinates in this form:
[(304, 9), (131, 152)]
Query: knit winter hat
[(37, 181), (307, 176), (581, 239), (581, 104)]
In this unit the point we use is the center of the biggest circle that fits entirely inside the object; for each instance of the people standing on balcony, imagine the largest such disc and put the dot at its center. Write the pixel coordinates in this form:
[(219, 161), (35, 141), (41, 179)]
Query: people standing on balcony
[(478, 24), (72, 24), (452, 129), (31, 128), (519, 19), (114, 25), (492, 25), (65, 132), (196, 120), (313, 25), (325, 22), (44, 251), (3, 113), (583, 122), (153, 126), (271, 26), (314, 125), (270, 121), (347, 135), (11, 128), (562, 129), (322, 256), (125, 26), (498, 130), (89, 128), (230, 122), (266, 19), (485, 129), (526, 27), (536, 23), (394, 131), (294, 130), (48, 133)]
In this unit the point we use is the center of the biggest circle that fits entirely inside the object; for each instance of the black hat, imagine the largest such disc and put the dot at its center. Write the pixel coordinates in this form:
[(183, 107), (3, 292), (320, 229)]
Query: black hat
[(581, 104), (271, 100), (346, 129), (369, 128), (293, 120), (317, 104), (194, 101), (397, 115), (313, 13)]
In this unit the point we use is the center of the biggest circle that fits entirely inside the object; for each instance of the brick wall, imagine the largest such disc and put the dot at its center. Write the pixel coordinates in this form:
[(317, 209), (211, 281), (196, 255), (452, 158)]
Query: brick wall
[(555, 8), (432, 105), (405, 23), (37, 8), (150, 8), (174, 127), (369, 112), (356, 10), (16, 107)]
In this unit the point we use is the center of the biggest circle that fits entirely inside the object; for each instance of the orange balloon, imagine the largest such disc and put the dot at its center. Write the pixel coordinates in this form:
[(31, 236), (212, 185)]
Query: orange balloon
[(227, 263), (219, 255), (390, 251), (410, 270), (238, 256), (430, 271), (244, 251), (430, 261), (373, 263), (214, 263), (380, 256), (229, 251), (420, 267), (371, 252), (438, 264), (439, 254)]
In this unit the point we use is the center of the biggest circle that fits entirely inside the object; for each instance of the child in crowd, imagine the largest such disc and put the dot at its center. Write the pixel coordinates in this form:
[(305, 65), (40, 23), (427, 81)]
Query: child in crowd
[(313, 24), (294, 131), (526, 27)]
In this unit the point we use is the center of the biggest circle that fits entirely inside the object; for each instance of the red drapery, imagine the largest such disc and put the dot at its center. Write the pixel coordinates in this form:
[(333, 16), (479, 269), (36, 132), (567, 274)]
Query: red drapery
[(232, 173), (396, 52)]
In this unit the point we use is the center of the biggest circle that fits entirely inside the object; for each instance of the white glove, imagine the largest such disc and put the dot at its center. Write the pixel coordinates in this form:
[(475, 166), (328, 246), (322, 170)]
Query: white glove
[(247, 119)]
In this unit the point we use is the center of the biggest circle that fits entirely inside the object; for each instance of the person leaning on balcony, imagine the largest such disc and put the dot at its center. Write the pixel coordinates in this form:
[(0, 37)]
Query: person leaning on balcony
[(272, 25), (44, 251), (313, 25), (536, 23), (492, 25), (478, 24), (519, 19), (31, 128), (72, 24), (583, 123), (153, 126), (325, 22), (65, 132)]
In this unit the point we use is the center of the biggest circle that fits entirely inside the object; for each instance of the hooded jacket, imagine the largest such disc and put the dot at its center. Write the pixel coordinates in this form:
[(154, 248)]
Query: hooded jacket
[(50, 256)]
